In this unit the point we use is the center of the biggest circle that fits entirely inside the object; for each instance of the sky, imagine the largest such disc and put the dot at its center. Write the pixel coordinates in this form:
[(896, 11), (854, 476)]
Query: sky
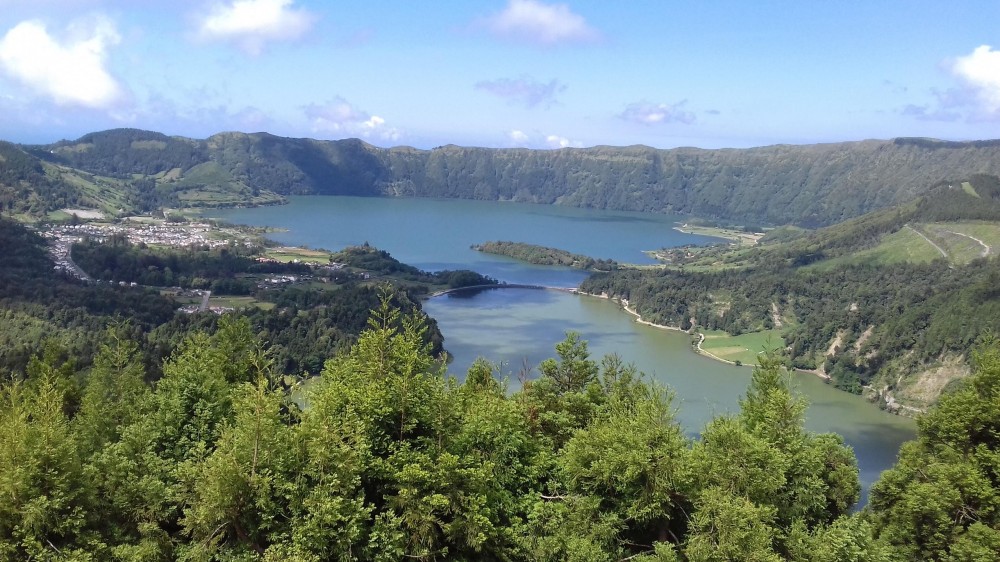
[(504, 73)]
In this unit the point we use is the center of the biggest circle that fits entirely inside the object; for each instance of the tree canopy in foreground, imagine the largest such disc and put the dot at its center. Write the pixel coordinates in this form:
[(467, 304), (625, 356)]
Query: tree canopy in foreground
[(391, 459)]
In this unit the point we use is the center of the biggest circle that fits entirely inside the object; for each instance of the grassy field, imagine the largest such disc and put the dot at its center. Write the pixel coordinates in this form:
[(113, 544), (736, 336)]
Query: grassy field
[(962, 248), (287, 254), (739, 237), (988, 232), (228, 301), (743, 348), (905, 245), (210, 173), (59, 216), (239, 302), (710, 258)]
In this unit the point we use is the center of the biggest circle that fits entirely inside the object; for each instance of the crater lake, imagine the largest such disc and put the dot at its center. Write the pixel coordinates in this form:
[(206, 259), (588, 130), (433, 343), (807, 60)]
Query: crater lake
[(517, 328)]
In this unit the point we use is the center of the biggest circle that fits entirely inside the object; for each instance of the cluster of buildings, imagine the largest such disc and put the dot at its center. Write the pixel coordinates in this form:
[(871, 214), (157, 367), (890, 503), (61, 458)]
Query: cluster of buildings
[(59, 247), (62, 237), (151, 234)]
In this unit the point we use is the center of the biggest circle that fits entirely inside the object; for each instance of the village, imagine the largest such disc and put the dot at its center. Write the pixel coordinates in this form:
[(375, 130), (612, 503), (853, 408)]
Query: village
[(141, 232), (62, 237)]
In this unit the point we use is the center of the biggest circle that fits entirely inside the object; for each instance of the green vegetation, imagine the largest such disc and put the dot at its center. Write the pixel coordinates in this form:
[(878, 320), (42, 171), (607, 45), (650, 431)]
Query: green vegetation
[(906, 245), (871, 302), (747, 236), (175, 437), (412, 465), (210, 185), (392, 459), (309, 312), (942, 499), (542, 255), (961, 248), (380, 263), (807, 185), (289, 254), (43, 311), (745, 348)]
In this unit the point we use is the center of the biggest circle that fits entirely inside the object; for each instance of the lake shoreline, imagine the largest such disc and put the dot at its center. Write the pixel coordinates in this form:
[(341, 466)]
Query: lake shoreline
[(734, 236), (698, 349)]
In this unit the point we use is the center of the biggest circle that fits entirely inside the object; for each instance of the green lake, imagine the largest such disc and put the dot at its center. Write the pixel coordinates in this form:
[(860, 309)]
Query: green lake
[(518, 327)]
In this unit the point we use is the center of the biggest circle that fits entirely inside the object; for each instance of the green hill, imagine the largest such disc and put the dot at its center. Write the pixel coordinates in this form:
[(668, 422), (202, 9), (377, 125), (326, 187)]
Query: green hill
[(810, 185), (886, 301)]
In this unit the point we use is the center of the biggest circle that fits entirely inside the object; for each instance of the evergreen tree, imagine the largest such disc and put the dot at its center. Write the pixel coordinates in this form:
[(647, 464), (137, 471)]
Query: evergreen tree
[(942, 499)]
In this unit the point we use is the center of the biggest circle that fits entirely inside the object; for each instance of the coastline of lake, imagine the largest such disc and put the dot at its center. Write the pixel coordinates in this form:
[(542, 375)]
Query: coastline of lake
[(521, 327), (639, 320)]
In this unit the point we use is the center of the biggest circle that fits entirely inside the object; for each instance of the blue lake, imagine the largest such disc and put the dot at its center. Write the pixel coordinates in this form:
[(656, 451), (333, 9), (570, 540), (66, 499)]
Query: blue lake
[(517, 328)]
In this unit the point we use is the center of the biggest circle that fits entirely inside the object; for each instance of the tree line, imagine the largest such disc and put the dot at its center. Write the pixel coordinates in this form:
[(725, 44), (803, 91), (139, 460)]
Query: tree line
[(389, 458), (916, 312), (810, 186), (47, 312), (543, 255)]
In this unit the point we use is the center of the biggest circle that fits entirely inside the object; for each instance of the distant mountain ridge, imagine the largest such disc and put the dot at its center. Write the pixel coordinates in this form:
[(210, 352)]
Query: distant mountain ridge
[(808, 185)]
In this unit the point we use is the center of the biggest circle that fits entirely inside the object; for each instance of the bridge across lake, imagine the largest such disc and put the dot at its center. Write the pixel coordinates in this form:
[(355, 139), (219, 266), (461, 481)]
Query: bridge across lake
[(573, 290)]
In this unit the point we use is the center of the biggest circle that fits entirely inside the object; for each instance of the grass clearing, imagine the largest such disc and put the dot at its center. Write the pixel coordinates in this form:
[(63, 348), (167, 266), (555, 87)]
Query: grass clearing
[(903, 246), (967, 187), (962, 248), (987, 232), (239, 302), (206, 173), (288, 254), (744, 348), (738, 237)]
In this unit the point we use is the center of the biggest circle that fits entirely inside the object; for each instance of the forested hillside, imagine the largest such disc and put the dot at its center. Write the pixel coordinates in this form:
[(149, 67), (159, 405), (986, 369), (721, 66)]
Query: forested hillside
[(181, 437), (48, 313), (390, 459), (874, 302), (809, 185), (45, 312)]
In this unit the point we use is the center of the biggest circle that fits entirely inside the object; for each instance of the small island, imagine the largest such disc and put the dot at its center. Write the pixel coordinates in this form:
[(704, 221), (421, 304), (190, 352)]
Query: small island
[(543, 255)]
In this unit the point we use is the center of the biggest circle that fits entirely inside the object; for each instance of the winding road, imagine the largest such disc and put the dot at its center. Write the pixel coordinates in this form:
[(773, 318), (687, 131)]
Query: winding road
[(929, 241), (986, 248)]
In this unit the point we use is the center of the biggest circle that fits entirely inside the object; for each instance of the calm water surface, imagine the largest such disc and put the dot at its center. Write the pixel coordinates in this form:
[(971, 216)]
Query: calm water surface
[(514, 327), (435, 234)]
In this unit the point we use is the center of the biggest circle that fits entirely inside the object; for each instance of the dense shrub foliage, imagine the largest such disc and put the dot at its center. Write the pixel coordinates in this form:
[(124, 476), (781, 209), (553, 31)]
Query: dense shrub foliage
[(391, 459)]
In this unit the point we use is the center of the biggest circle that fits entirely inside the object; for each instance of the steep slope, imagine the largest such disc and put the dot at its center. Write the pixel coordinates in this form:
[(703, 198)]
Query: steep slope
[(124, 152), (31, 187), (810, 185), (886, 301)]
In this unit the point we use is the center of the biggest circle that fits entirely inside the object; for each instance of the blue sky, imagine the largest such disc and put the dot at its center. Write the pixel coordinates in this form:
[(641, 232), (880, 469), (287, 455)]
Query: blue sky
[(504, 73)]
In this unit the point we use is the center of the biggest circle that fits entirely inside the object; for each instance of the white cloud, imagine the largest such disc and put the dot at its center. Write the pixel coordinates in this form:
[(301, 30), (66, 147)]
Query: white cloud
[(540, 23), (341, 117), (980, 72), (71, 72), (648, 113), (556, 141), (518, 138), (524, 91), (253, 23)]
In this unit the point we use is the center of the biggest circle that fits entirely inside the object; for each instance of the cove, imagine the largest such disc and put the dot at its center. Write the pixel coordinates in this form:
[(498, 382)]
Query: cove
[(514, 327)]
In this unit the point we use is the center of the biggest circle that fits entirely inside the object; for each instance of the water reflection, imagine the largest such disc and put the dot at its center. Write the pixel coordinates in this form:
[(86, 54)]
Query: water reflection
[(515, 327)]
